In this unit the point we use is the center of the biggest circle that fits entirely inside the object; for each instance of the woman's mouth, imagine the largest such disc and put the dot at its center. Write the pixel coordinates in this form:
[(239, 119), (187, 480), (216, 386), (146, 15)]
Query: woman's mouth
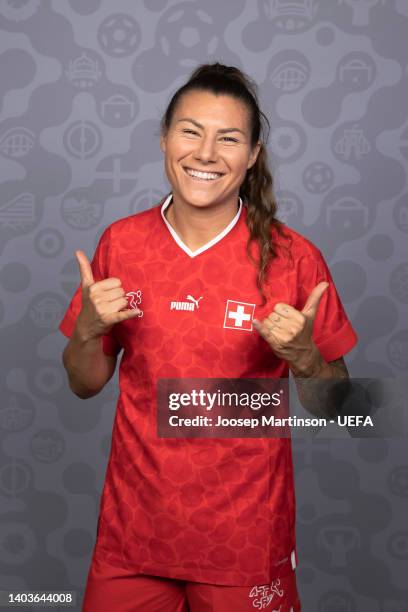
[(199, 175)]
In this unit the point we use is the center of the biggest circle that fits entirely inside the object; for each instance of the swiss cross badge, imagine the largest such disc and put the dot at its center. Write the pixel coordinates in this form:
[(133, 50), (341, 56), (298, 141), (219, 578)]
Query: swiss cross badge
[(239, 315)]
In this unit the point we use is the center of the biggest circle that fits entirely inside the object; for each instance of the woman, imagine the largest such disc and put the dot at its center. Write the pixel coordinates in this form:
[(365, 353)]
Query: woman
[(201, 524)]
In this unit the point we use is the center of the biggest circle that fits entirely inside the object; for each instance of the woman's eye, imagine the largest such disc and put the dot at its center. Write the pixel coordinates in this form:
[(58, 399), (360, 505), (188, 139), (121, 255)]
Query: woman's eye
[(187, 131), (229, 139)]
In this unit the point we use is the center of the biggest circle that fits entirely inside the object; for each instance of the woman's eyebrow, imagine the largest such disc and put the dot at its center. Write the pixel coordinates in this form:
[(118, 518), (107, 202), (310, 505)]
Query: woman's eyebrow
[(222, 131)]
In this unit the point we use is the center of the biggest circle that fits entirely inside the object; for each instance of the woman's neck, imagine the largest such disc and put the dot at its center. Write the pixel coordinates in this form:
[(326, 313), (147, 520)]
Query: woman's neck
[(196, 225)]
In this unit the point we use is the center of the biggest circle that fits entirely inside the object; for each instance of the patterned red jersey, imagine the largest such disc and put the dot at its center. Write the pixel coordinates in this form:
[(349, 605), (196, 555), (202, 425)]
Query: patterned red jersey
[(218, 510)]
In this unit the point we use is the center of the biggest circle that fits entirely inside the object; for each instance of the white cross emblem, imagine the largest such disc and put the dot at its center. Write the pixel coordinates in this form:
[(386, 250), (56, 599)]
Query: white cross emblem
[(238, 315)]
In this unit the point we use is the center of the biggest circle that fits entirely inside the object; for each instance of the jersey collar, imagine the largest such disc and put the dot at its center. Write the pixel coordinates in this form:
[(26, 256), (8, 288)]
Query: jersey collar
[(206, 246)]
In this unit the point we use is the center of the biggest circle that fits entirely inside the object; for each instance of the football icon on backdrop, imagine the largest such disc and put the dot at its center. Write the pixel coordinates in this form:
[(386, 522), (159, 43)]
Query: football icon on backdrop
[(135, 298), (239, 315)]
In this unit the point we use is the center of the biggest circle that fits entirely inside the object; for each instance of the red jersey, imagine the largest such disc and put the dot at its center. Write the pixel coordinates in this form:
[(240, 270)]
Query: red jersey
[(215, 510)]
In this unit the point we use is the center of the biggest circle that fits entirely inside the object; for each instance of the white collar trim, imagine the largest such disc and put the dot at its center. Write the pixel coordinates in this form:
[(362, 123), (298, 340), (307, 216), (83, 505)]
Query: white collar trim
[(206, 246)]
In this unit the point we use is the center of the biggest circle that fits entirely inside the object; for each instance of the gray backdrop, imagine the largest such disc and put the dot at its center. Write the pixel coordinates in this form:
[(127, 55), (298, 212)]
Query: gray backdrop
[(83, 84)]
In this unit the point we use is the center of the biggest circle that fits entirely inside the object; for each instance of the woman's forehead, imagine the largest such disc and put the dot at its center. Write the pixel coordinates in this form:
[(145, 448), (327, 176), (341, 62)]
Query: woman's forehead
[(210, 106)]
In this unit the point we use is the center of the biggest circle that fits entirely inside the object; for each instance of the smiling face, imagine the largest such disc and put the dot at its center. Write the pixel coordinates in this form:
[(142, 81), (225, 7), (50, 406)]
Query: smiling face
[(208, 149)]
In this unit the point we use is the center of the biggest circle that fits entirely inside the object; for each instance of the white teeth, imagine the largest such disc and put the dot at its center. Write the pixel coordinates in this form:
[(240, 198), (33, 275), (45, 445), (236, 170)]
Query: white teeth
[(208, 176)]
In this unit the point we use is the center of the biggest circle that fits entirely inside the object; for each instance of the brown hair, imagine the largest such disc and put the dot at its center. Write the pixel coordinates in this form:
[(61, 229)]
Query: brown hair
[(257, 188)]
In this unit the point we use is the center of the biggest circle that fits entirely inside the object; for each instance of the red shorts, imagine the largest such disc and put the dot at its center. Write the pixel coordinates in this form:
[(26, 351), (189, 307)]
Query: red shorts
[(112, 588)]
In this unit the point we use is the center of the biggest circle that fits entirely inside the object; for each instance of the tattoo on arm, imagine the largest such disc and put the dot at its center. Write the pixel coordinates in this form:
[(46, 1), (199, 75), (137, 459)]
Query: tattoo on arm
[(323, 397), (338, 368)]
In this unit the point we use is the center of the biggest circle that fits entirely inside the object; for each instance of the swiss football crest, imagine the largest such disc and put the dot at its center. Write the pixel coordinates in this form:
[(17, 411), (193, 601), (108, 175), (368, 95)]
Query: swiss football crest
[(239, 315), (134, 299)]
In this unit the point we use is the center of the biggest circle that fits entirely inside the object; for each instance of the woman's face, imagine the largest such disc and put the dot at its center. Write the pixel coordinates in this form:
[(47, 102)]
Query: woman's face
[(208, 148)]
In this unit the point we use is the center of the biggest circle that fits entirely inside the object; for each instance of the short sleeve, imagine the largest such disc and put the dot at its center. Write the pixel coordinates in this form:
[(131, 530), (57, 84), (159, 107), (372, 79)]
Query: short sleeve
[(333, 333), (110, 344)]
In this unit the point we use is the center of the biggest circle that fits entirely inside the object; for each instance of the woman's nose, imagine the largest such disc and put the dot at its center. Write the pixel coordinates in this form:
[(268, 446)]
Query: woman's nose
[(206, 150)]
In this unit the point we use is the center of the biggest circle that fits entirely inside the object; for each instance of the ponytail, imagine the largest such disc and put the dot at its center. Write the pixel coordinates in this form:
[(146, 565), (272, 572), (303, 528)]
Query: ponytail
[(257, 192)]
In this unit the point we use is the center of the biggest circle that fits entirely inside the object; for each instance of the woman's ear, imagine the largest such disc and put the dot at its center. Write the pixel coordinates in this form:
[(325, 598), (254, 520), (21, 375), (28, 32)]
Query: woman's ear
[(254, 154), (163, 142)]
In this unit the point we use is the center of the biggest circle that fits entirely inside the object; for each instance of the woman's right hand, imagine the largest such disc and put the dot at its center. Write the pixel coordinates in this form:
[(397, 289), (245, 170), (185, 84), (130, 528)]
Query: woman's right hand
[(103, 303)]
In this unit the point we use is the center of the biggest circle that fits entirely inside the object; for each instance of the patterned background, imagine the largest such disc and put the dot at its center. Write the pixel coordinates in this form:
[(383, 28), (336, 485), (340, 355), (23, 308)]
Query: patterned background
[(83, 84)]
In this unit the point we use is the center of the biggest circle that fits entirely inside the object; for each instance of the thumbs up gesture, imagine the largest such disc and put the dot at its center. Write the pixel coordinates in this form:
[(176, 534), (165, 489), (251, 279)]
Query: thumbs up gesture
[(288, 331), (103, 302)]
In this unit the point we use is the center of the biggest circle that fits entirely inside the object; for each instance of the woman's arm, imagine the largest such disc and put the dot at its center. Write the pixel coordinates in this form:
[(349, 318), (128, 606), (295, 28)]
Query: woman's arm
[(321, 385), (321, 388), (103, 305), (87, 366)]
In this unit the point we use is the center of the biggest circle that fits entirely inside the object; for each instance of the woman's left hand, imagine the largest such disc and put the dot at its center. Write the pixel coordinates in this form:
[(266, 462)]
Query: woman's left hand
[(288, 331)]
